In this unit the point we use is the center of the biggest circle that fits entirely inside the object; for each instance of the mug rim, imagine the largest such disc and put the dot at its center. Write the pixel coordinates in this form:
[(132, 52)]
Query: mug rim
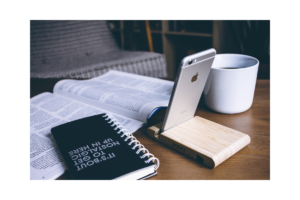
[(238, 55)]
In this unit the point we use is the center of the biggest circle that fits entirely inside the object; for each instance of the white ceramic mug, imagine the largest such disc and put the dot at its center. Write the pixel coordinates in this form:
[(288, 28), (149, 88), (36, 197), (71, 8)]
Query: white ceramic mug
[(231, 83)]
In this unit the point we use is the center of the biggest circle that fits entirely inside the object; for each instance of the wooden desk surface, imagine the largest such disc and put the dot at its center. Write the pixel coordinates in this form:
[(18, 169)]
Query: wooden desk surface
[(252, 162)]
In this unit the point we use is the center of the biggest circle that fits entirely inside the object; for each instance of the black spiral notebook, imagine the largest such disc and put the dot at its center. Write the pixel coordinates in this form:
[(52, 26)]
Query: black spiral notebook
[(100, 148)]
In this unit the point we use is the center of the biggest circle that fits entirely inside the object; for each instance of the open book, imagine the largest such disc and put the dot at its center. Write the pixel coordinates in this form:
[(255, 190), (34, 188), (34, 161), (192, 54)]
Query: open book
[(131, 99)]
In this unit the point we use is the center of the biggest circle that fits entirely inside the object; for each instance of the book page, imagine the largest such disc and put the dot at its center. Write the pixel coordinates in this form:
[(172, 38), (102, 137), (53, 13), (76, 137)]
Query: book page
[(130, 95), (48, 110)]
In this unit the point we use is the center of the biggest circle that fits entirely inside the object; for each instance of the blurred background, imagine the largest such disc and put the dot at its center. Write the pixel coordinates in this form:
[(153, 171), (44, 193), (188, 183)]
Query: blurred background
[(178, 38)]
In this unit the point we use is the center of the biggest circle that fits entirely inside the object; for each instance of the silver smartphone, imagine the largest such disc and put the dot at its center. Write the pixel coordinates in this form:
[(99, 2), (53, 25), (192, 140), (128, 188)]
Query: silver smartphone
[(189, 83)]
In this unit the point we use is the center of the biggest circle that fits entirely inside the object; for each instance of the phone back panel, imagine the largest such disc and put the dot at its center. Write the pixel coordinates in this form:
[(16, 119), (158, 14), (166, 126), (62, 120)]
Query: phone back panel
[(188, 88)]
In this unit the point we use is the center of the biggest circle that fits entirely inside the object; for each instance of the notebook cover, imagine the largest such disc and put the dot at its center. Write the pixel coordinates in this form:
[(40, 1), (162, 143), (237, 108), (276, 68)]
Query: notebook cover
[(93, 150)]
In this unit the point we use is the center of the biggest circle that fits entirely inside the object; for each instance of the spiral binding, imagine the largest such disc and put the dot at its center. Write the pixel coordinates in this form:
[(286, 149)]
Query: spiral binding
[(125, 132)]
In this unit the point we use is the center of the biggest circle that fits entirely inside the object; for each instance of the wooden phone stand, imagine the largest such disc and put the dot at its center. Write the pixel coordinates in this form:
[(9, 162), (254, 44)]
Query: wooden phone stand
[(202, 140)]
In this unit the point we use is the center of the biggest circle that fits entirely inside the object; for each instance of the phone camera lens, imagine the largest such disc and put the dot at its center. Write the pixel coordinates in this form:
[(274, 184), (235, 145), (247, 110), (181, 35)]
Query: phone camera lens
[(190, 62)]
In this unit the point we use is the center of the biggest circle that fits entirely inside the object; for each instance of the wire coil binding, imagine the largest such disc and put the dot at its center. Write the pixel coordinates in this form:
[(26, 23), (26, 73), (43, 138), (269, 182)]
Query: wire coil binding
[(132, 139)]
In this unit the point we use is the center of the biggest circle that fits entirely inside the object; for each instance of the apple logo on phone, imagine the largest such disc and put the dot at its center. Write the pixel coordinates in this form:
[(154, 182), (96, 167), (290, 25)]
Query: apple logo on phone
[(194, 78)]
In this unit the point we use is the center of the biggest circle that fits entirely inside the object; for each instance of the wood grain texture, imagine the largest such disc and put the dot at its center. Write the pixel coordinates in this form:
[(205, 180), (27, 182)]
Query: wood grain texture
[(250, 163), (202, 140)]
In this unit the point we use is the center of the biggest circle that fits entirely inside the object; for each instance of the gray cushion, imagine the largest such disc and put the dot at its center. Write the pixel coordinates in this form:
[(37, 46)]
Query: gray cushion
[(84, 49)]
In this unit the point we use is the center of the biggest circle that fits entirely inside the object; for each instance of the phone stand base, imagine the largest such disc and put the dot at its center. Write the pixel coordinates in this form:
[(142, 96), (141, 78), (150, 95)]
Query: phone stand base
[(202, 140)]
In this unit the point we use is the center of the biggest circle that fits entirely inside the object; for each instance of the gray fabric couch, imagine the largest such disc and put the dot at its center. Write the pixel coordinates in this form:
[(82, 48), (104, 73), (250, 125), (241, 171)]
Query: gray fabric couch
[(84, 49)]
